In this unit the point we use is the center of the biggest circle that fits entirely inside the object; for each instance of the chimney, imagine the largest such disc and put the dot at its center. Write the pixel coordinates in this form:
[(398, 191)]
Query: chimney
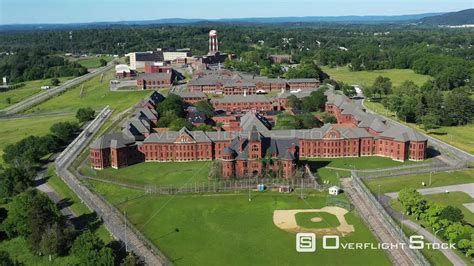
[(245, 93)]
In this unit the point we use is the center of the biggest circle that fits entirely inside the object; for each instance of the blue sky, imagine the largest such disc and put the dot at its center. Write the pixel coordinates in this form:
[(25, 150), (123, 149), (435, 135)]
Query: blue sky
[(69, 11)]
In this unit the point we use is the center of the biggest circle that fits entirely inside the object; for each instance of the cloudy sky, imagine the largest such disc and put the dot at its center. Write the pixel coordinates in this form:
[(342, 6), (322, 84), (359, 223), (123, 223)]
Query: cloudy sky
[(70, 11)]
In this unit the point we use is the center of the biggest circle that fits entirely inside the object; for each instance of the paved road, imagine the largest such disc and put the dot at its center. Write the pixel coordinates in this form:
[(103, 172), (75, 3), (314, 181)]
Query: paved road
[(466, 188), (418, 230), (41, 185), (112, 218), (45, 95), (436, 142)]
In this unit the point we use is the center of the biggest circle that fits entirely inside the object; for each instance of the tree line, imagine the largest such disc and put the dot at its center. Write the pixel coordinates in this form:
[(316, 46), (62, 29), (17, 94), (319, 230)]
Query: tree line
[(30, 214), (445, 221)]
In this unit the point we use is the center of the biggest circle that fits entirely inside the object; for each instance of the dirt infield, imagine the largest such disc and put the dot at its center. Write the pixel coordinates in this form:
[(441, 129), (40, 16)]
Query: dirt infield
[(286, 220)]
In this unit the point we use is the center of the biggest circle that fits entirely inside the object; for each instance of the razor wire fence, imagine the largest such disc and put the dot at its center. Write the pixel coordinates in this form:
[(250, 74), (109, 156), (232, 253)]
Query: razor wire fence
[(391, 225)]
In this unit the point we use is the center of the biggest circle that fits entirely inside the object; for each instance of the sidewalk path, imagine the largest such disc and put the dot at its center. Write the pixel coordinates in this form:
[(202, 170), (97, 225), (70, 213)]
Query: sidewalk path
[(466, 188)]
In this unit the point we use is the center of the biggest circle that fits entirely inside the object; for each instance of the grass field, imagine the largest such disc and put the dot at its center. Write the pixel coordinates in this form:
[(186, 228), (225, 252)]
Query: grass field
[(92, 62), (13, 130), (328, 220), (227, 229), (93, 93), (359, 163), (458, 136), (31, 88), (366, 78), (455, 199), (156, 173), (395, 184)]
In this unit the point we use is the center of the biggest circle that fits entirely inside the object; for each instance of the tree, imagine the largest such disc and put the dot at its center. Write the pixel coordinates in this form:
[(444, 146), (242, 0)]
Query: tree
[(64, 130), (330, 119), (412, 202), (294, 102), (349, 90), (382, 85), (452, 214), (131, 260), (5, 259), (458, 107), (41, 215), (55, 240), (29, 150), (55, 82), (430, 121), (172, 103), (102, 62), (16, 223), (14, 180), (206, 108), (179, 123), (85, 114), (315, 101), (8, 100), (90, 250)]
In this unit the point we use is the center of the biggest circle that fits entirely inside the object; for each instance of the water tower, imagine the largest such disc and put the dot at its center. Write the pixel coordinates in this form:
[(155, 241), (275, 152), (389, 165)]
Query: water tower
[(213, 42)]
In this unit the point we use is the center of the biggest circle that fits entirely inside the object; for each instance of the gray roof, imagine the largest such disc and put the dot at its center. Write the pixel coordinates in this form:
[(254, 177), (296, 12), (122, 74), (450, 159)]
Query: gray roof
[(250, 120), (242, 98), (104, 141), (186, 94), (155, 76), (302, 80)]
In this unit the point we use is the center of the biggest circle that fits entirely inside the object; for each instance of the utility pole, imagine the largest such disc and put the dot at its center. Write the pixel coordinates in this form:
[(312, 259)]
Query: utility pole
[(126, 242), (378, 197), (250, 199), (430, 178)]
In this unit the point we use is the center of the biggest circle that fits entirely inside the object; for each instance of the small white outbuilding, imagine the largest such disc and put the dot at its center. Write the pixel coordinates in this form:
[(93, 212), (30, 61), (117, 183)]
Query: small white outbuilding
[(334, 190)]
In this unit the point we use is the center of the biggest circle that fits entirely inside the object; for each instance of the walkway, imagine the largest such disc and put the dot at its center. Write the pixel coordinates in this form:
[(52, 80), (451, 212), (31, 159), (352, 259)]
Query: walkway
[(466, 188), (452, 256)]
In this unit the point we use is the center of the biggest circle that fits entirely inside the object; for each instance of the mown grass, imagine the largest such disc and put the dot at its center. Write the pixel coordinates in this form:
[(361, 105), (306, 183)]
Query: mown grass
[(156, 173), (15, 129), (31, 88), (93, 93), (92, 62), (395, 184), (328, 220), (458, 136), (219, 229), (367, 78)]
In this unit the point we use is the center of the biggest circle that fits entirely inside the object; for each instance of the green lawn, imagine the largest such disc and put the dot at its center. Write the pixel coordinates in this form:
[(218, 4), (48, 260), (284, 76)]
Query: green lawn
[(155, 173), (366, 78), (359, 163), (328, 220), (30, 88), (92, 62), (92, 93), (395, 184), (227, 229), (458, 136), (13, 130), (455, 199)]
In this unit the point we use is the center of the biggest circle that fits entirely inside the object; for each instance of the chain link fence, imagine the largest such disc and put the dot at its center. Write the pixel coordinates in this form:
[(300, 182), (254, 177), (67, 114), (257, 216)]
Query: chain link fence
[(415, 255)]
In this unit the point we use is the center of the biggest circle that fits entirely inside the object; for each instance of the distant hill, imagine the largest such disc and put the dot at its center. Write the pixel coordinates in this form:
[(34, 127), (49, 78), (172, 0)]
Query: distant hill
[(454, 18), (263, 20)]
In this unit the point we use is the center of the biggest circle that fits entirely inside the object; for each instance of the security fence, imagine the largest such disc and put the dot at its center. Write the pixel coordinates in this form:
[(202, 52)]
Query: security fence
[(415, 255)]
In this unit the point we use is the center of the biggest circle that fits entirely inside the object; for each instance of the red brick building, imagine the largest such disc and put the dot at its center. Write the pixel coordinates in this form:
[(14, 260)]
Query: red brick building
[(192, 97), (357, 134), (240, 103), (234, 83), (154, 80)]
